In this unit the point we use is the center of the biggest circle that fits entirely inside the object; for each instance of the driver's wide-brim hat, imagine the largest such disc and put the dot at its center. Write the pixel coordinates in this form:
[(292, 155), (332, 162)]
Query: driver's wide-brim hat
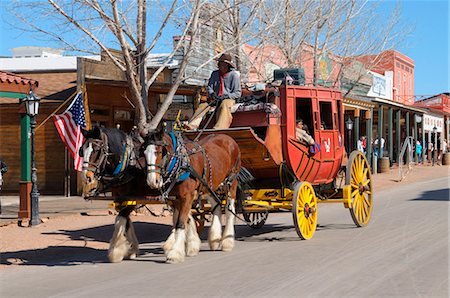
[(227, 59)]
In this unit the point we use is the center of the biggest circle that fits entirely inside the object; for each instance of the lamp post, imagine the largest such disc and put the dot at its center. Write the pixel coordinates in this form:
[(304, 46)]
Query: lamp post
[(447, 133), (435, 142), (349, 125), (32, 107)]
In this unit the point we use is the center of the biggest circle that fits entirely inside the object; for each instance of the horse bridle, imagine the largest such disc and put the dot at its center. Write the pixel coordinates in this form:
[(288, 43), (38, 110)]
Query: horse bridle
[(98, 166), (160, 168)]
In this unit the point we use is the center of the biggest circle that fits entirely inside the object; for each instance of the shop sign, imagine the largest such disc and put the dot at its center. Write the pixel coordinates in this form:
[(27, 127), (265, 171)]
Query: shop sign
[(429, 122)]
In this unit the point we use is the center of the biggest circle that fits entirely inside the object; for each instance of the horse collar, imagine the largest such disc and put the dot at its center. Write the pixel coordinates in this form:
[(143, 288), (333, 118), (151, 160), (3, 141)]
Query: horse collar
[(178, 161)]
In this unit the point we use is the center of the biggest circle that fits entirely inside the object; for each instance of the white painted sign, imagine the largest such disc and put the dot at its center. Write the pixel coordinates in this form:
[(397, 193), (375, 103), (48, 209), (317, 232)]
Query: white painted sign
[(429, 122), (381, 86), (327, 145)]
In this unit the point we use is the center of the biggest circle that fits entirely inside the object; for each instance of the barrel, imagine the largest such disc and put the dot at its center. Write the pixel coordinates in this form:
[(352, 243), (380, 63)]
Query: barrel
[(384, 165), (446, 159)]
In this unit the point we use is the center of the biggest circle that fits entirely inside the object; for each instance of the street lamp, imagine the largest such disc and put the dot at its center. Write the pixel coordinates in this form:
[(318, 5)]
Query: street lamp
[(435, 137), (32, 107), (349, 125)]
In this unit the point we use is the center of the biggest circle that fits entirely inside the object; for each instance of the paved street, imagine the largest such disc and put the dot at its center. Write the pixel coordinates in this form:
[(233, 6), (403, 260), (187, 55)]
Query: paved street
[(403, 252)]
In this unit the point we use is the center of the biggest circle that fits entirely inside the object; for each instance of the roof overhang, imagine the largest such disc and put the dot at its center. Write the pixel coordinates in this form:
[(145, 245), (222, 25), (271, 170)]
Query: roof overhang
[(391, 103), (358, 102)]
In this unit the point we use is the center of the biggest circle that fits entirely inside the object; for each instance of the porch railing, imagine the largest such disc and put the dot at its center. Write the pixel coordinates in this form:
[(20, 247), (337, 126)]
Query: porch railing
[(407, 151)]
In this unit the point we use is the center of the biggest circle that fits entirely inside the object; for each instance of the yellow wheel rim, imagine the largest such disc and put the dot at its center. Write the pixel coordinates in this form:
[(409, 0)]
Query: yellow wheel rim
[(304, 210), (359, 178)]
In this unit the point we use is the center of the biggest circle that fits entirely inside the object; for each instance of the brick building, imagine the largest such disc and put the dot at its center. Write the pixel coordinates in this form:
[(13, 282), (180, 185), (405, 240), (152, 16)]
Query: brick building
[(402, 68)]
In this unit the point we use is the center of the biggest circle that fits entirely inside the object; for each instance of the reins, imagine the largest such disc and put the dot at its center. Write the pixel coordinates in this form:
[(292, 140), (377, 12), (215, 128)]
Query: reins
[(200, 132)]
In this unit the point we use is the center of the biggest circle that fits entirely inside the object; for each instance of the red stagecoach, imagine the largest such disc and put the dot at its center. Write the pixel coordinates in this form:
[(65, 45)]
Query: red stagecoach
[(288, 174)]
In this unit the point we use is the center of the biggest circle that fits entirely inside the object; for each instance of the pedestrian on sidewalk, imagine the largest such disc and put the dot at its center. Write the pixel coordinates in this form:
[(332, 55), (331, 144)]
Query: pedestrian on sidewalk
[(430, 152), (3, 169), (378, 149), (361, 147), (419, 152)]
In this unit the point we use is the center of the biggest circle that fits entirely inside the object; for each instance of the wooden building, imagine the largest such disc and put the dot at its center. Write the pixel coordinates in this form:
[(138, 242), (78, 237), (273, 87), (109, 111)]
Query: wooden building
[(59, 79), (49, 153)]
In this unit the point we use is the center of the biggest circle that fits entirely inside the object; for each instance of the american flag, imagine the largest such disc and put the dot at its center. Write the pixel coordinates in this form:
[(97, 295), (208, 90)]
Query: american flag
[(69, 126)]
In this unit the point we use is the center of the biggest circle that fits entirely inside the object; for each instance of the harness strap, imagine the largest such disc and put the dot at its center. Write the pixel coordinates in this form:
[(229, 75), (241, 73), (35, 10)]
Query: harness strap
[(123, 161), (205, 184), (173, 160)]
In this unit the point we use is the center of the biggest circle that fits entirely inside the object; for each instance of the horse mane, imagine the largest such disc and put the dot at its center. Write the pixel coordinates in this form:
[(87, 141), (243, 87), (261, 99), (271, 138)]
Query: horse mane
[(116, 139)]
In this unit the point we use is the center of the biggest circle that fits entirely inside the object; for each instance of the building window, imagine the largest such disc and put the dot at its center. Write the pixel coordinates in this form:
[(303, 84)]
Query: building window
[(399, 83), (403, 67), (397, 64), (410, 87)]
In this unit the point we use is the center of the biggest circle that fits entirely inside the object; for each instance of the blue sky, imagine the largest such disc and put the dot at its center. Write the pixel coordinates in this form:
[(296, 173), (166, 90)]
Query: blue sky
[(427, 44)]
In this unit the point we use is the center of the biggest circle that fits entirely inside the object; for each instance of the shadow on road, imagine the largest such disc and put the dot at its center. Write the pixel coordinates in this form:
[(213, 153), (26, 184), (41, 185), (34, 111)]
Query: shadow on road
[(247, 234), (434, 195), (146, 233), (55, 256), (61, 255)]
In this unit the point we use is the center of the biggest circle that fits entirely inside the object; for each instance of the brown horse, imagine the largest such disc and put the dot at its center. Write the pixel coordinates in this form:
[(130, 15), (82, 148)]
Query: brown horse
[(186, 170)]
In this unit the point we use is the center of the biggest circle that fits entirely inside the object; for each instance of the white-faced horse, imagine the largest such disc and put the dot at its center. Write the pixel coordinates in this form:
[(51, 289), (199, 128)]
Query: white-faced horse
[(187, 170), (109, 158)]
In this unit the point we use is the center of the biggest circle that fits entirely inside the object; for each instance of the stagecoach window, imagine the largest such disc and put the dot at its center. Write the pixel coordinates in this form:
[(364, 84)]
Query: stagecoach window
[(303, 110), (326, 115)]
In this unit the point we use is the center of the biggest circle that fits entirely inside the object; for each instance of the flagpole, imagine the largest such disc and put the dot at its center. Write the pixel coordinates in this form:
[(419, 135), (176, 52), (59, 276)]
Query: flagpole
[(86, 108), (73, 101), (57, 109)]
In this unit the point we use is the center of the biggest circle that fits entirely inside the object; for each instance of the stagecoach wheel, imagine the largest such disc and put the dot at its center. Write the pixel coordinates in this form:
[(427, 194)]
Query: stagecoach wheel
[(255, 220), (304, 210), (359, 179)]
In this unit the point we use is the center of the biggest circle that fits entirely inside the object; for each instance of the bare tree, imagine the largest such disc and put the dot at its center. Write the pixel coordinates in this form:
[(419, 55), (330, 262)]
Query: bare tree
[(87, 25), (308, 31)]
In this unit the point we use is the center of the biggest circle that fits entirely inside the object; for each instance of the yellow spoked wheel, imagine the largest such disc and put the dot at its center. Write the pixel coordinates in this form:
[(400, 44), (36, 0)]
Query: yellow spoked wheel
[(304, 210), (359, 178)]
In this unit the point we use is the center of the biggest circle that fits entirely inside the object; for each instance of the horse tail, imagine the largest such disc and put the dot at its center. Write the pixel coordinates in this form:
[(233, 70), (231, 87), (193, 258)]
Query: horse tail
[(245, 178)]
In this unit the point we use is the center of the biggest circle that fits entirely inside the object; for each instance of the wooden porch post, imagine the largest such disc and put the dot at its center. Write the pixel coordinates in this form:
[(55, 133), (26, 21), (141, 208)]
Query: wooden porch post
[(369, 117), (380, 130), (398, 134), (415, 132), (356, 133), (407, 123), (390, 135)]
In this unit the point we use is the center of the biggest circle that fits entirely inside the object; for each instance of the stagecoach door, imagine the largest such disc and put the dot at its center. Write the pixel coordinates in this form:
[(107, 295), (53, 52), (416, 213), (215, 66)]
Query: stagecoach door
[(327, 130)]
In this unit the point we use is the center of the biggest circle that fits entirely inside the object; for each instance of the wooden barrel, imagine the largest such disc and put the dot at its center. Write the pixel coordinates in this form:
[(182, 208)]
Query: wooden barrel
[(383, 165), (446, 159)]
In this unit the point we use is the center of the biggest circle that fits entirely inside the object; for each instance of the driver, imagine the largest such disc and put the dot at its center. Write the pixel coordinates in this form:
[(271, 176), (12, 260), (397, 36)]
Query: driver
[(226, 83)]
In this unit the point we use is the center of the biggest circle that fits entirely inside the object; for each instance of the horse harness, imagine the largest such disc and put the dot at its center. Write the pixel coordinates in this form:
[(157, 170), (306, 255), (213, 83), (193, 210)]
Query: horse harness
[(179, 168), (127, 158)]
